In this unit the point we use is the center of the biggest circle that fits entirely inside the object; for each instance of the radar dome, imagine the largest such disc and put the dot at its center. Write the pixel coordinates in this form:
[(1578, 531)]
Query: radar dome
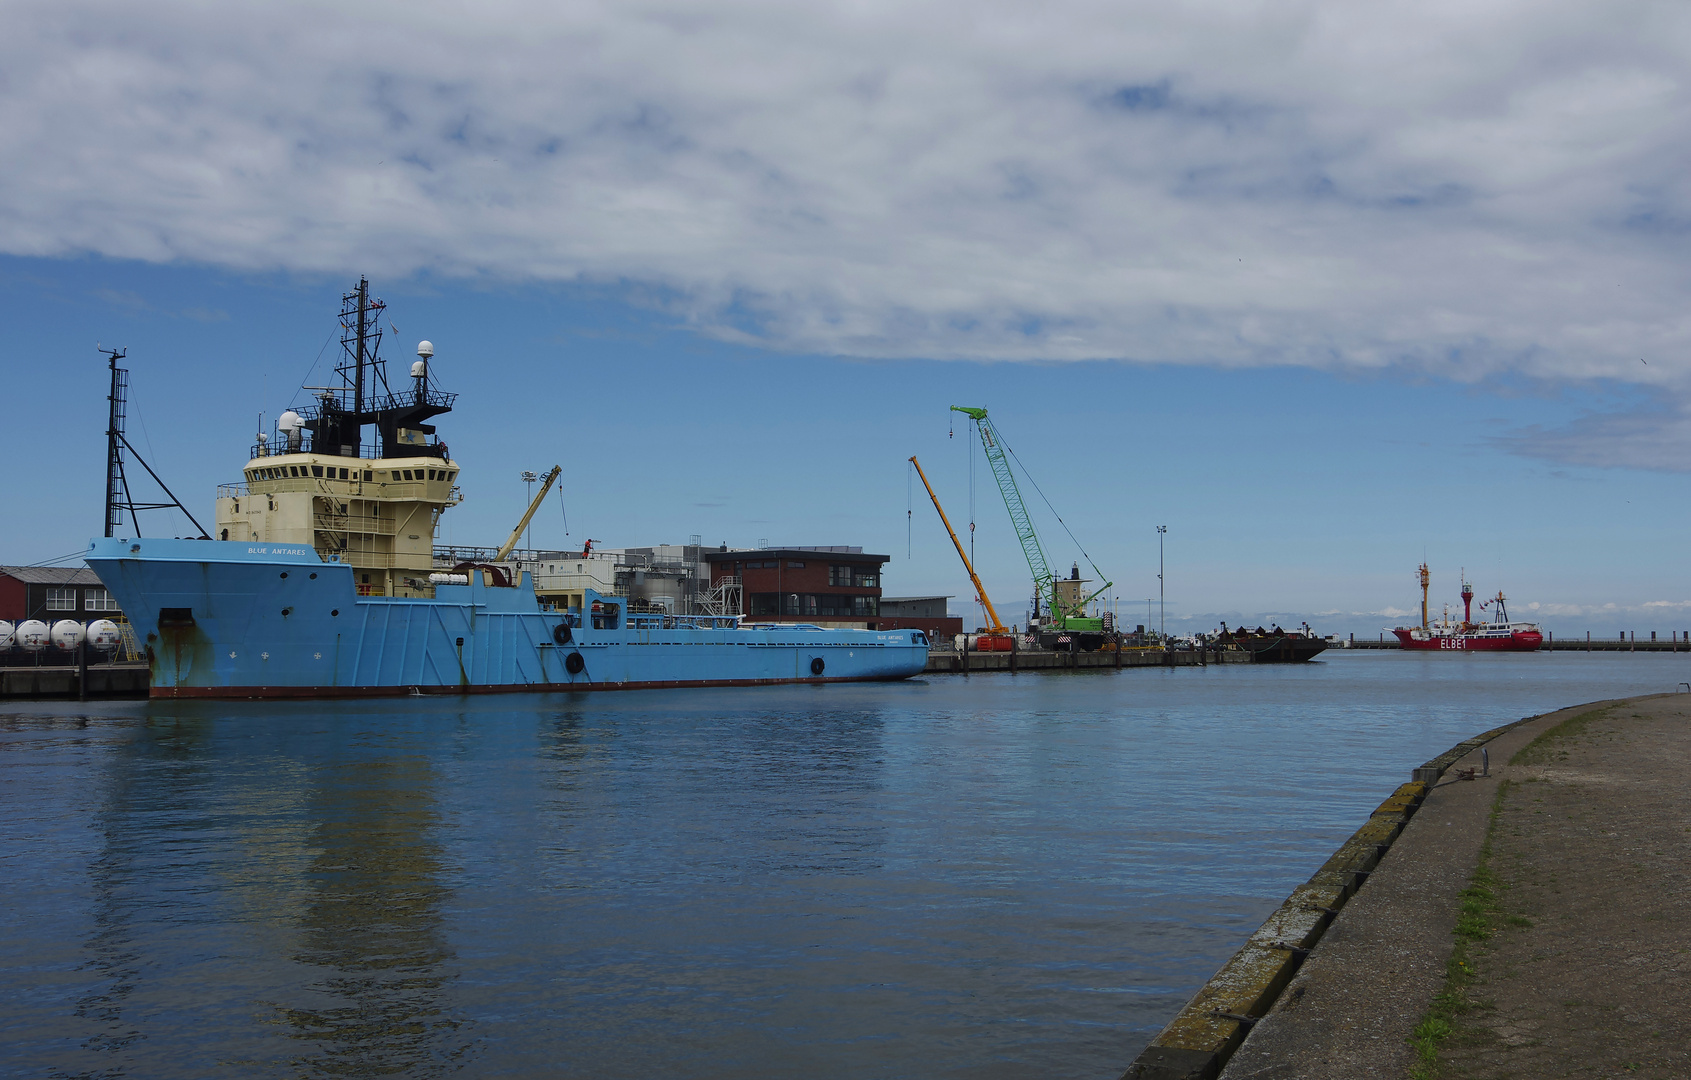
[(67, 634), (33, 635), (419, 368), (104, 635), (8, 634), (289, 421), (425, 349)]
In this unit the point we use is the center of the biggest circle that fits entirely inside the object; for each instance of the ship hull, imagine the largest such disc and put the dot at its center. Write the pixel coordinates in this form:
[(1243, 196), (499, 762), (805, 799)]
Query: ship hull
[(1519, 641), (234, 620)]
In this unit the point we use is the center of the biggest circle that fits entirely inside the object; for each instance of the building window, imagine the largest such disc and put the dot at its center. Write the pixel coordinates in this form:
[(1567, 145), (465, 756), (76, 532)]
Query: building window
[(61, 599), (865, 605), (791, 565), (763, 603), (855, 577), (98, 600)]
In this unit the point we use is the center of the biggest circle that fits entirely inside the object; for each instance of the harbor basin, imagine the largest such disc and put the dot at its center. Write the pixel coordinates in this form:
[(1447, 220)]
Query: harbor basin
[(983, 876)]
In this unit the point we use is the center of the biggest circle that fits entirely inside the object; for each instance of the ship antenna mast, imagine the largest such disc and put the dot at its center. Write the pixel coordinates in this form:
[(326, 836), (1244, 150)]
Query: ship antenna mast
[(361, 340)]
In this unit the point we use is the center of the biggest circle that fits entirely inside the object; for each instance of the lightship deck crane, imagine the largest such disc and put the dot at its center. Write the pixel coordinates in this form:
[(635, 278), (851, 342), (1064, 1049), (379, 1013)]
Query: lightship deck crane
[(997, 628), (1065, 616)]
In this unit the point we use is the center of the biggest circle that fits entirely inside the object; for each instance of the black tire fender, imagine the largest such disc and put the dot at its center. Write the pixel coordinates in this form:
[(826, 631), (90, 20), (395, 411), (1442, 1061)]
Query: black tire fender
[(573, 663), (816, 666), (561, 634)]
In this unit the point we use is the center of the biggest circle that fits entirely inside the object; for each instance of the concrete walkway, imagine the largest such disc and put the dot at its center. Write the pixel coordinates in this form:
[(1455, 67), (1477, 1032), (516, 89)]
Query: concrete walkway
[(1593, 849)]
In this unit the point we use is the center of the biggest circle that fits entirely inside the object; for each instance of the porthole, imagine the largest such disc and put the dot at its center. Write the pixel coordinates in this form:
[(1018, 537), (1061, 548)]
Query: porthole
[(313, 577), (334, 611), (287, 611), (284, 573)]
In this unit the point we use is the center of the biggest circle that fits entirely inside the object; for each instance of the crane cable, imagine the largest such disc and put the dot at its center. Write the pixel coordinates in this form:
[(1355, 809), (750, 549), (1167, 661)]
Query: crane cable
[(1049, 507)]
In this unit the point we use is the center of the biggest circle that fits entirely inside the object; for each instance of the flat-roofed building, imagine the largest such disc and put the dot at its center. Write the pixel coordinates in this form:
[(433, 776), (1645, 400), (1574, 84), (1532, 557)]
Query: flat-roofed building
[(829, 586)]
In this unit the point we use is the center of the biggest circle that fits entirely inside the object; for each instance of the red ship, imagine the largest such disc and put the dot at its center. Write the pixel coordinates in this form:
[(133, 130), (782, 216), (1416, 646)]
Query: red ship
[(1498, 635)]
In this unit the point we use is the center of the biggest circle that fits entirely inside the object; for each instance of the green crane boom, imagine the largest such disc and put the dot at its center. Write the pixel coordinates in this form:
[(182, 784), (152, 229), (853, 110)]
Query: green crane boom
[(1044, 581)]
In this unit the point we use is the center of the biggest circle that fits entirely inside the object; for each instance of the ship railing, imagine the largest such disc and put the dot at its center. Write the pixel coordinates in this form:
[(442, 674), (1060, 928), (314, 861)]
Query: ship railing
[(405, 399), (367, 451), (663, 621), (356, 523), (445, 554), (232, 491)]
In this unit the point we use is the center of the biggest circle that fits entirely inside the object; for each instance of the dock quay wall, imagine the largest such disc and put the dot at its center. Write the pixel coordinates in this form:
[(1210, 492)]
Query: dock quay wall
[(1203, 1036), (951, 661), (96, 681)]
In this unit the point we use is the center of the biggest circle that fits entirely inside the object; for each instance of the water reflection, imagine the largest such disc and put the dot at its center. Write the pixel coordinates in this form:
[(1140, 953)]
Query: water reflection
[(372, 922), (157, 797)]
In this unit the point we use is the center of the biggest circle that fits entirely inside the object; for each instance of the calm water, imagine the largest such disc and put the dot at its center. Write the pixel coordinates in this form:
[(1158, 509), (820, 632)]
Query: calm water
[(999, 876)]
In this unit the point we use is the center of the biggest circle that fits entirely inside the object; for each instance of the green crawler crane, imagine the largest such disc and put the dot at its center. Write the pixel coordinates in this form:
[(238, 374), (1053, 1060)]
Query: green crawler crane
[(1066, 615)]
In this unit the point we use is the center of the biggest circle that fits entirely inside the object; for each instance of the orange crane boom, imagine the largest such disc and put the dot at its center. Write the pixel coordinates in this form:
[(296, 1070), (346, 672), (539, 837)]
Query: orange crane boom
[(997, 626)]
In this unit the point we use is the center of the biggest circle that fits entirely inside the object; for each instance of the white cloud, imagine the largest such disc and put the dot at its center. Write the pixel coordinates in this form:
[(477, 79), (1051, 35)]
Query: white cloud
[(1386, 613), (1472, 188)]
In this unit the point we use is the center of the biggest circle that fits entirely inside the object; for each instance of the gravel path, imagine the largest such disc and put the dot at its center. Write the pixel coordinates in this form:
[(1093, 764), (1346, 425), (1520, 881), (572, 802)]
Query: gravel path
[(1593, 848)]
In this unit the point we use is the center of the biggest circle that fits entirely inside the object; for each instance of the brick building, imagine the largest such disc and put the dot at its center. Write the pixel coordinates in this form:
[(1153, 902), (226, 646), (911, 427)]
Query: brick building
[(51, 593), (830, 586)]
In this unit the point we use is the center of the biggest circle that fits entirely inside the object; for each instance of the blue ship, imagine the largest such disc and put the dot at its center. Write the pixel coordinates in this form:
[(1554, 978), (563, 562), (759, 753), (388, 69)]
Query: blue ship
[(226, 619), (323, 580)]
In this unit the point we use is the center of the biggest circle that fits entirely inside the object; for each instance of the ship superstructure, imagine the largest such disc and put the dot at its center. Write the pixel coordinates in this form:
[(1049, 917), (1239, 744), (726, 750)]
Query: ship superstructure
[(373, 503), (1499, 634)]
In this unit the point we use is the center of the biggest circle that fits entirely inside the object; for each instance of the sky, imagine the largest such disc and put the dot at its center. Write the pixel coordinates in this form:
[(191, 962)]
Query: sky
[(1327, 289)]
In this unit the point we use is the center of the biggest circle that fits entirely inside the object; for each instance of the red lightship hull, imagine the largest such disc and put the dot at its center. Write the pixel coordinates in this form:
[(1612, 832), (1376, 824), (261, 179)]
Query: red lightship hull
[(1513, 641)]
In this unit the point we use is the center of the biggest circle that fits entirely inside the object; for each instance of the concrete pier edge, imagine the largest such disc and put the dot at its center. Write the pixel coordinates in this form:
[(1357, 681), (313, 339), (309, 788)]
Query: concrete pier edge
[(1203, 1036)]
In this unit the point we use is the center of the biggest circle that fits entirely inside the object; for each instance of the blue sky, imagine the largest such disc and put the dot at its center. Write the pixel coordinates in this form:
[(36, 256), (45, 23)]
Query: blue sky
[(1325, 290)]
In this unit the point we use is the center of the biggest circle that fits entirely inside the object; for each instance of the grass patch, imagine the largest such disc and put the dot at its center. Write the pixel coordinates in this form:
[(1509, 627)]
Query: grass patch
[(1477, 920), (1539, 750)]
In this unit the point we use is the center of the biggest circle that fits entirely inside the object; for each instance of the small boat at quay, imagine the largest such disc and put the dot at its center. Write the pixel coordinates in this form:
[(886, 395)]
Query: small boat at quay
[(323, 579), (1498, 635)]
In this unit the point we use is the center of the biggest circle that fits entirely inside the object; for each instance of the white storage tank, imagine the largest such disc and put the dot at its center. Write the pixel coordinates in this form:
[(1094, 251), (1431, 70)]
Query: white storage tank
[(33, 635), (67, 634), (103, 634), (8, 635)]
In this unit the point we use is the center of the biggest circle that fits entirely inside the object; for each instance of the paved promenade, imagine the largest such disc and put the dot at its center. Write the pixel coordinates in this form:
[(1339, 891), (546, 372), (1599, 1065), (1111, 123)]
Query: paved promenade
[(1580, 966)]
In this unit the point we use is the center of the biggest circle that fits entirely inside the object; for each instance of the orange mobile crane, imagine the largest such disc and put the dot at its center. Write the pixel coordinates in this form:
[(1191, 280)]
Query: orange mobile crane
[(996, 637)]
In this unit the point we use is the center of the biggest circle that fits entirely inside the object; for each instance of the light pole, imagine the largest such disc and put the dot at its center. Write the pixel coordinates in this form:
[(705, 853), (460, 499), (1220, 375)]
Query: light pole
[(529, 477), (1162, 531)]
